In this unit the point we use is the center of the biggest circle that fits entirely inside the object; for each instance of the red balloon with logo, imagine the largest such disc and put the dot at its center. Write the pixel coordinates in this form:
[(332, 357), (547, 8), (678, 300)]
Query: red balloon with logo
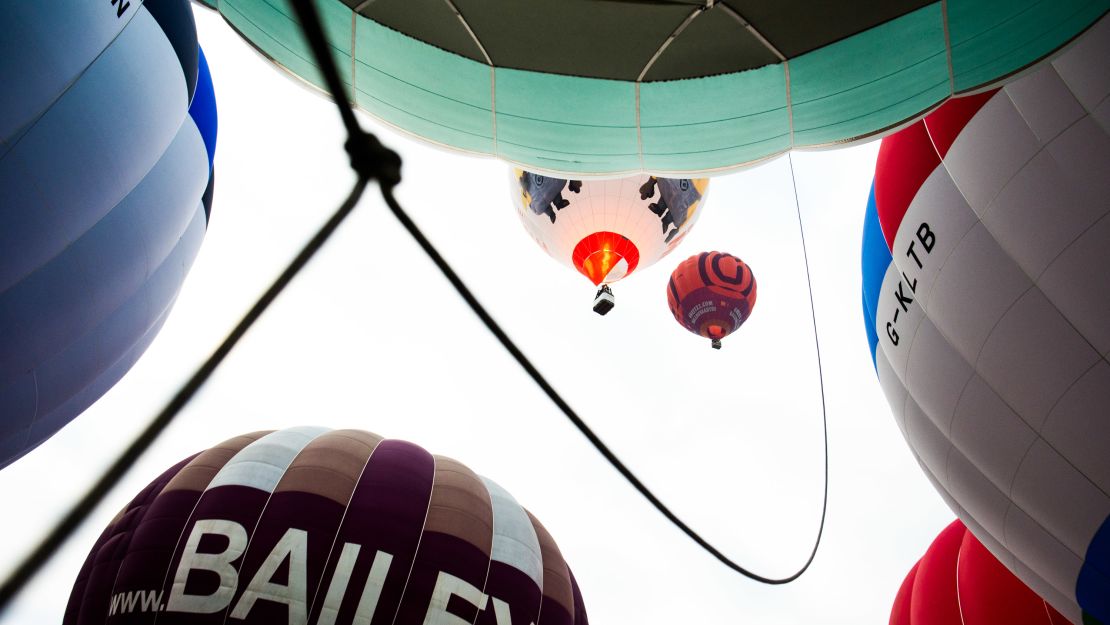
[(712, 294)]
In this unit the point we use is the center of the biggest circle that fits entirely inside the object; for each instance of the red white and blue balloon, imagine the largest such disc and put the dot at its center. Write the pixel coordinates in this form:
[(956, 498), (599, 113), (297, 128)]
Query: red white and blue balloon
[(986, 291)]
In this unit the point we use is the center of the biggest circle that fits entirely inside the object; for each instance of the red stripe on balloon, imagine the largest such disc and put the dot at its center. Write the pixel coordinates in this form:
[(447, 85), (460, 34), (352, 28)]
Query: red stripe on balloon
[(906, 159), (947, 122), (598, 253)]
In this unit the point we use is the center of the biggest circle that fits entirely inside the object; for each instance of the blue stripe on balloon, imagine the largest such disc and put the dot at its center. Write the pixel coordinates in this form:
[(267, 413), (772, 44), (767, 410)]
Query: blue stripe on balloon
[(1092, 588), (203, 107), (176, 19), (872, 336), (875, 258)]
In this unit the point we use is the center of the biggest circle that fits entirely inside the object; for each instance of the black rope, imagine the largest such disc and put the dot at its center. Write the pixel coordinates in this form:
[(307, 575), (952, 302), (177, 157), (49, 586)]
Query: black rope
[(371, 160)]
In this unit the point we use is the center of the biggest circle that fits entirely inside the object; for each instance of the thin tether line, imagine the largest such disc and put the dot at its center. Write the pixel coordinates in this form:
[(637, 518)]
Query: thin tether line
[(591, 436), (371, 160)]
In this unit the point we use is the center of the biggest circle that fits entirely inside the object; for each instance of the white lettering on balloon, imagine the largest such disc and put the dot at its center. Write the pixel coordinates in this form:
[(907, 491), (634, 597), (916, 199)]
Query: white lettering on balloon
[(292, 547), (218, 563)]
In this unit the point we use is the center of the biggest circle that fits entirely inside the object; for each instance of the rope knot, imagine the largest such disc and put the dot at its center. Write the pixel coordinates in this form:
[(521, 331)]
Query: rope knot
[(372, 160)]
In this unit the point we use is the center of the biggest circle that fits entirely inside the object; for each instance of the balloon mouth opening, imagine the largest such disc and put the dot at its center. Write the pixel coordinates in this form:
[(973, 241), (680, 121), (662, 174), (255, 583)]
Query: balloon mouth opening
[(715, 331), (605, 257), (604, 266)]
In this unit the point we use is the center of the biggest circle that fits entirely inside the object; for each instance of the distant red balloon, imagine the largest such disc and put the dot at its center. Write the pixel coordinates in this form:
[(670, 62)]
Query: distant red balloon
[(712, 294), (959, 582)]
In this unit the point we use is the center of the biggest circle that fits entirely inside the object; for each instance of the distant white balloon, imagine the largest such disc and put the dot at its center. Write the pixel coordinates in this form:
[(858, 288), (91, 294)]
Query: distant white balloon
[(606, 229)]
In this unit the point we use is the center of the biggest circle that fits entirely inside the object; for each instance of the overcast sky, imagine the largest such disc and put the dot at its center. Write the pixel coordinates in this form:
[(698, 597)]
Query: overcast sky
[(371, 336)]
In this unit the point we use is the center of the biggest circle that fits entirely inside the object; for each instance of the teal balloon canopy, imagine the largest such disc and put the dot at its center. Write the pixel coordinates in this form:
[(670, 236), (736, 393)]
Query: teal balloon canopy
[(609, 87)]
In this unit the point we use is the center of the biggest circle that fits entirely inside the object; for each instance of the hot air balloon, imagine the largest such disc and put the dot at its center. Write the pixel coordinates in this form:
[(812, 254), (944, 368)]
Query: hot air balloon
[(672, 87), (959, 582), (712, 294), (324, 527), (107, 132), (607, 229), (986, 296)]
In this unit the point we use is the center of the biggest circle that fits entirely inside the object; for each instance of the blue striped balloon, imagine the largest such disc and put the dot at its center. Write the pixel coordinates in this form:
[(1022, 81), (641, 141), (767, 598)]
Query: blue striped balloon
[(107, 133)]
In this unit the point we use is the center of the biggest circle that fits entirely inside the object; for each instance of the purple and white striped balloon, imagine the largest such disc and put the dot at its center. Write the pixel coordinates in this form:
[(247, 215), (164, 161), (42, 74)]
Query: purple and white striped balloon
[(313, 526)]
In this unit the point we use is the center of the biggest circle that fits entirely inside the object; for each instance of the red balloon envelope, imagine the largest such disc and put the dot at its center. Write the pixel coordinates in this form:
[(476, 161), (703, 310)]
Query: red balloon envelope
[(712, 294), (959, 582), (312, 526)]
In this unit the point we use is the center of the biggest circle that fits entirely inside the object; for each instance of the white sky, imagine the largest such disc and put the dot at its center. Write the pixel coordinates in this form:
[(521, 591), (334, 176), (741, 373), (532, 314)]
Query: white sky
[(371, 336)]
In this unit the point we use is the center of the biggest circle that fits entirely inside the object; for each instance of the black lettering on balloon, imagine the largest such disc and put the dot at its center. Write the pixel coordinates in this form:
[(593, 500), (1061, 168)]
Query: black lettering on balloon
[(912, 283), (911, 253), (903, 301), (121, 6), (926, 236)]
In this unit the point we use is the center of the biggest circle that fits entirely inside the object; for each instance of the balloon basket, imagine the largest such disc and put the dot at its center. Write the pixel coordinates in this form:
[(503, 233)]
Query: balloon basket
[(604, 300)]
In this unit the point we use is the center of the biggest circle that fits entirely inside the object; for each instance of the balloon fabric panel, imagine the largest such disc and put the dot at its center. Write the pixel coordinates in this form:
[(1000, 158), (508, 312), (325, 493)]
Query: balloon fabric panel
[(900, 613), (934, 600), (516, 566)]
